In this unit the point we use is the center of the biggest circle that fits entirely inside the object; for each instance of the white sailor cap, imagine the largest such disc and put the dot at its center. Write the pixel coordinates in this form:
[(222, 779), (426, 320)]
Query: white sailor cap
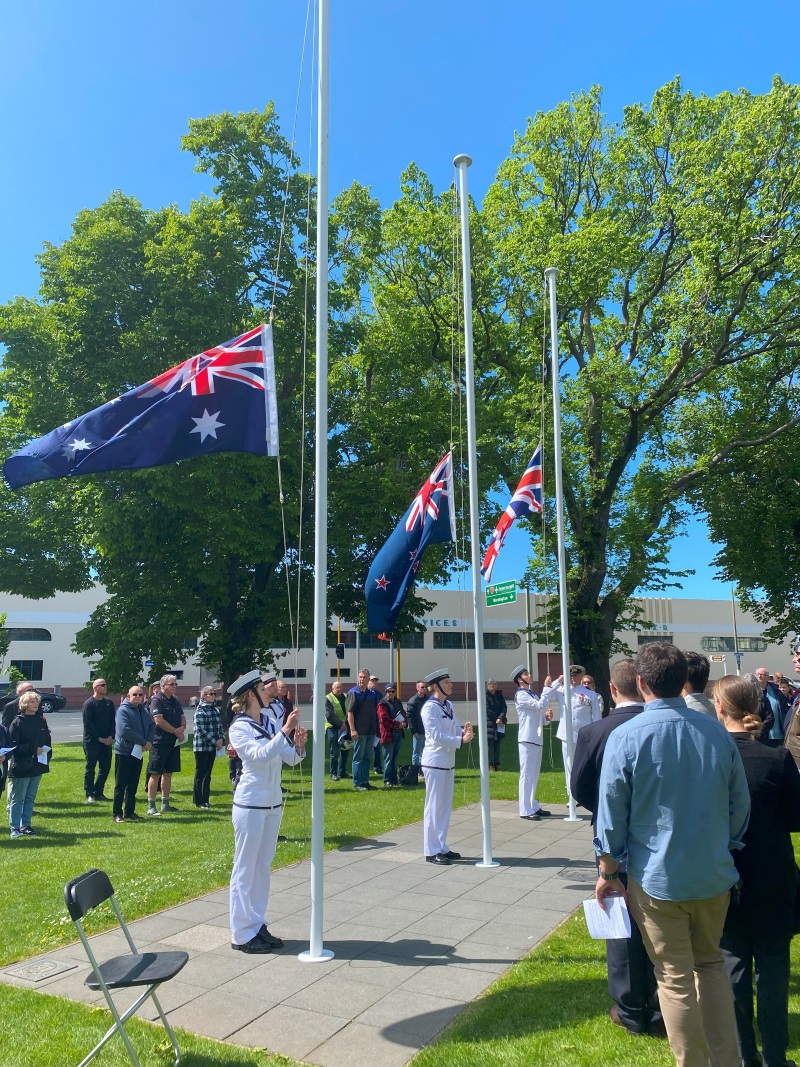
[(576, 668), (269, 676), (243, 682), (518, 671), (436, 676)]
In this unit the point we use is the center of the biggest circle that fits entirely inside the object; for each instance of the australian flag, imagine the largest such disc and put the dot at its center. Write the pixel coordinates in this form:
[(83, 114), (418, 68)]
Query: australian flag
[(429, 520), (223, 400), (527, 498)]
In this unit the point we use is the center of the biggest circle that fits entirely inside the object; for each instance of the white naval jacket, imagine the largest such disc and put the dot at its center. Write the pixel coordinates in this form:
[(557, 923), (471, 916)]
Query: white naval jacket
[(585, 709), (530, 711), (259, 785), (442, 734)]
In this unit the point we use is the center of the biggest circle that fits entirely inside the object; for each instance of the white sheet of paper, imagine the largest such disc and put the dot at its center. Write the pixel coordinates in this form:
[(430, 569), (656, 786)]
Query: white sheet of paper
[(137, 752), (220, 753), (5, 751), (42, 757), (612, 923), (399, 716)]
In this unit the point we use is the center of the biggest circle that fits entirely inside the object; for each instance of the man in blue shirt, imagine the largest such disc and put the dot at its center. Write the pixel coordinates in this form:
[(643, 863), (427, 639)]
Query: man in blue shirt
[(673, 802)]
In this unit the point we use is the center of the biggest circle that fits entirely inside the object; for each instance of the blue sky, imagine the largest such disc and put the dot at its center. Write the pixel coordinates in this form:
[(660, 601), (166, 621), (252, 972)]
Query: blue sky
[(95, 97)]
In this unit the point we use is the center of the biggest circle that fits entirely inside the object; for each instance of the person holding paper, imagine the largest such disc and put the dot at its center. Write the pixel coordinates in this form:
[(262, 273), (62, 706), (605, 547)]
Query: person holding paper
[(391, 720), (29, 761), (631, 981), (673, 803), (133, 737)]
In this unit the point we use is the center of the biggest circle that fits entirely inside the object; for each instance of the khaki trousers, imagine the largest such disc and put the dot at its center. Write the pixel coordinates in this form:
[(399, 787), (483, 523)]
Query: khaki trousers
[(682, 939)]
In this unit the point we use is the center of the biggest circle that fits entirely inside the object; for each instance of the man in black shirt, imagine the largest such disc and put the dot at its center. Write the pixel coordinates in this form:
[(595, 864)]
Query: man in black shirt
[(414, 712), (165, 755), (98, 738)]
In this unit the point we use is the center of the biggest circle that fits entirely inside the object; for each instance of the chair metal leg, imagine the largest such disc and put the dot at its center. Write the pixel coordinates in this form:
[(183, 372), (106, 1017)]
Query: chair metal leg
[(167, 1027)]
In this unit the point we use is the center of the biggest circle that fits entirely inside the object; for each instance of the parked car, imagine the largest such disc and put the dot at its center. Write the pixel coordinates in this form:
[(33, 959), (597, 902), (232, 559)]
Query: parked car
[(50, 701)]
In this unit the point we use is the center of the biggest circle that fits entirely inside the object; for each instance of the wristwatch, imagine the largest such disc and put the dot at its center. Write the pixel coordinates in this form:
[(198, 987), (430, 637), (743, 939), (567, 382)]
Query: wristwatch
[(608, 877)]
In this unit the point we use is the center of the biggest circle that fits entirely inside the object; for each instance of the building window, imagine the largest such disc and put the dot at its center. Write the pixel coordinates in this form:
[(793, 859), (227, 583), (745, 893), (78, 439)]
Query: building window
[(178, 675), (21, 633), (502, 641), (727, 644), (290, 672), (369, 642), (189, 644), (649, 639), (453, 640), (32, 669), (343, 672)]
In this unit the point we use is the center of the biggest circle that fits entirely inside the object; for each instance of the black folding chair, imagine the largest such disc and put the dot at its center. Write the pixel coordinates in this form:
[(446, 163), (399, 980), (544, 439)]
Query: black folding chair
[(147, 969)]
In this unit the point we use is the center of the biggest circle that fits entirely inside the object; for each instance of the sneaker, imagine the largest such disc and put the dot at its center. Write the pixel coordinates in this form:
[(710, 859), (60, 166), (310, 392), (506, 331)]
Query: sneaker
[(362, 788), (90, 800), (119, 818), (334, 777), (269, 939), (133, 817), (166, 806), (153, 811), (26, 831), (15, 834)]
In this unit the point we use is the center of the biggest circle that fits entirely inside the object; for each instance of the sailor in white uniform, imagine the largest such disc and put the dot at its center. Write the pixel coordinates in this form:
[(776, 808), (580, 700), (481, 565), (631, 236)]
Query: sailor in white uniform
[(264, 738), (443, 736), (531, 712), (586, 708)]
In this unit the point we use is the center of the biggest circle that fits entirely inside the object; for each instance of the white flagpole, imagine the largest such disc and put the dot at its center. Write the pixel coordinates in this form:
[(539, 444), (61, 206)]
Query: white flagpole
[(462, 162), (551, 274), (316, 953)]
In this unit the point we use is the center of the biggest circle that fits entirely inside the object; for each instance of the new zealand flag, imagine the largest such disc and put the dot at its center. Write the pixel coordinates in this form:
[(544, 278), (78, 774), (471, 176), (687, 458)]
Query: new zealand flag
[(223, 400), (429, 520)]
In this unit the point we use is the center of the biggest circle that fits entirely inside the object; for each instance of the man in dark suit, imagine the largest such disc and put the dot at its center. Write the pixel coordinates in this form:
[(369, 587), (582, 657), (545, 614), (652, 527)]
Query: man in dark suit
[(631, 981)]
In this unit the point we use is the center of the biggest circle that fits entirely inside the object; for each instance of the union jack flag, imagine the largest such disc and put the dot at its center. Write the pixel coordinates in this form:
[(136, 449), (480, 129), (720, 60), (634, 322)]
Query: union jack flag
[(527, 498), (240, 360), (426, 502)]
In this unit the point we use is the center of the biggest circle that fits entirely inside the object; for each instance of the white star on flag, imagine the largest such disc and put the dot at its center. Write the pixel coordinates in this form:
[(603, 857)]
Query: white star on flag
[(73, 447), (207, 426)]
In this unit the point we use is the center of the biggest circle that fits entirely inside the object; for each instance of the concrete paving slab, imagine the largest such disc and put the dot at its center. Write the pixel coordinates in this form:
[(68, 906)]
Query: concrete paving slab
[(413, 941), (358, 1045), (294, 1032)]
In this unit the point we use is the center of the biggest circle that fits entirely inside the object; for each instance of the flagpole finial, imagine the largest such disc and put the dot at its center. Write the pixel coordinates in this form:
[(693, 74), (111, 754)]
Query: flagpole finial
[(462, 158), (551, 272)]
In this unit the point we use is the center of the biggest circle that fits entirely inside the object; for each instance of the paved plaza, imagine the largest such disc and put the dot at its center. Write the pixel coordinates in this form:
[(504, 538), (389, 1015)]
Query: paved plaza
[(414, 942)]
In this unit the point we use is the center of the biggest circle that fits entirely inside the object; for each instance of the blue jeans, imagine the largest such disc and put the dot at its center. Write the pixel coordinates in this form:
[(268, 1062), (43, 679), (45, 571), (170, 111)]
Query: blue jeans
[(362, 759), (417, 745), (21, 794), (338, 755), (390, 761)]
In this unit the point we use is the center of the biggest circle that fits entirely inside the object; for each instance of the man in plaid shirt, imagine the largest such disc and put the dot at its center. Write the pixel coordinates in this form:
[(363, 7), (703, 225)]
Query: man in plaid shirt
[(208, 740)]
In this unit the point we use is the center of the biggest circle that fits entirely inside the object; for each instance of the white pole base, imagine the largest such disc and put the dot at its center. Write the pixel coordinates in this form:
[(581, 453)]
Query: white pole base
[(574, 818), (492, 863), (324, 956)]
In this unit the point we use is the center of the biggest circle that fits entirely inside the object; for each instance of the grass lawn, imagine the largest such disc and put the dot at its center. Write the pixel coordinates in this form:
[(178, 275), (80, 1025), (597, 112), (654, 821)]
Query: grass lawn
[(160, 862), (50, 1030)]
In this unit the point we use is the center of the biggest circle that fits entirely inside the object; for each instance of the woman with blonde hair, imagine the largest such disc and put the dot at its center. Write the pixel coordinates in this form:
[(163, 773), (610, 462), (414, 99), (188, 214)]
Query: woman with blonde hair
[(760, 921), (29, 761)]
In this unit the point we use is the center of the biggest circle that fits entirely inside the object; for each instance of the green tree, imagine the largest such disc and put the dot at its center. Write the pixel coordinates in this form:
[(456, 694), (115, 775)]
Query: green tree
[(675, 234), (194, 549)]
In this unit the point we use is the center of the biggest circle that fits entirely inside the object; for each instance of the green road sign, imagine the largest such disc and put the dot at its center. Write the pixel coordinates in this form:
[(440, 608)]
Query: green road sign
[(502, 593)]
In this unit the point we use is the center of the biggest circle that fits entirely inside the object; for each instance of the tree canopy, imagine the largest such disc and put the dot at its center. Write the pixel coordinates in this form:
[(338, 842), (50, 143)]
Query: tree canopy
[(675, 233)]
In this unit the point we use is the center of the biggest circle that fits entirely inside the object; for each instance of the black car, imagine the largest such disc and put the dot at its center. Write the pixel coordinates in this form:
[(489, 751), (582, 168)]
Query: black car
[(50, 701)]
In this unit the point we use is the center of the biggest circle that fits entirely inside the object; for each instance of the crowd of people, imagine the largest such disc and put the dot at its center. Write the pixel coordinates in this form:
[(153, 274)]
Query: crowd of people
[(693, 798)]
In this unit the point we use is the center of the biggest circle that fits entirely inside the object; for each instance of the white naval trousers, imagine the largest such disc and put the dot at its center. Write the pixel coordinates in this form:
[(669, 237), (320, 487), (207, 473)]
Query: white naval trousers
[(439, 786), (255, 834), (530, 763), (567, 766)]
